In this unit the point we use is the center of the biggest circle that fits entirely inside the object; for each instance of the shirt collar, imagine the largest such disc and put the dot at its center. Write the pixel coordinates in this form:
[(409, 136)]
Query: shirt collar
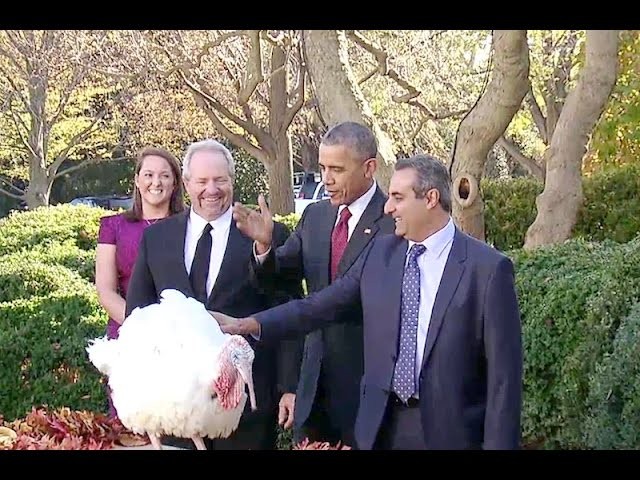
[(358, 206), (220, 223), (437, 242)]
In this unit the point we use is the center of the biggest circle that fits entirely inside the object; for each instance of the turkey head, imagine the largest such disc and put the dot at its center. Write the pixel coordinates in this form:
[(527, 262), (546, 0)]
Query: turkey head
[(236, 363)]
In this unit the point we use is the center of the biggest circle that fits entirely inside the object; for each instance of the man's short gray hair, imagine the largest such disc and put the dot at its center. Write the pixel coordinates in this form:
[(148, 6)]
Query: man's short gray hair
[(431, 173), (208, 145)]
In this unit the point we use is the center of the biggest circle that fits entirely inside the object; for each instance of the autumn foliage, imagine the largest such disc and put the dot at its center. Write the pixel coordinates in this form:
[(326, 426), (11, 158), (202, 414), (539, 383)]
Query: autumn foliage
[(65, 429)]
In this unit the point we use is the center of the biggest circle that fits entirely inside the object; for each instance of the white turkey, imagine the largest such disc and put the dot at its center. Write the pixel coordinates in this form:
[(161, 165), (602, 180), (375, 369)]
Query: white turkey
[(172, 371)]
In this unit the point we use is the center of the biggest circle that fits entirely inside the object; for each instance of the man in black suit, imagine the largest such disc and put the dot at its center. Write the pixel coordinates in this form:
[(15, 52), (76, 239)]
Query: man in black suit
[(442, 333), (202, 253), (326, 242)]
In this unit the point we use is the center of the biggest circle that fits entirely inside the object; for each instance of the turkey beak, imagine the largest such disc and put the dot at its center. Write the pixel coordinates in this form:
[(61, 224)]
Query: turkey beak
[(247, 376)]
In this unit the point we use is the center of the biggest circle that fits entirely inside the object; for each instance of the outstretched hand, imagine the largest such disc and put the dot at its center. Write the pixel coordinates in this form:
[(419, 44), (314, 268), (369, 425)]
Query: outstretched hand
[(255, 225), (236, 326)]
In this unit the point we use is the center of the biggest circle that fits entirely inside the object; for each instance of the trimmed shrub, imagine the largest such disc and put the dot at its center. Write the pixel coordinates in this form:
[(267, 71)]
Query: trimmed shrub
[(572, 299), (22, 277), (48, 225), (66, 254), (43, 361), (613, 420), (509, 209), (612, 206), (290, 220)]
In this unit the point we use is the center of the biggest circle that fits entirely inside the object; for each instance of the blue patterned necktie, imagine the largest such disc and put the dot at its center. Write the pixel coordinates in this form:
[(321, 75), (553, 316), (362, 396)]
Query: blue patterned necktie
[(404, 377)]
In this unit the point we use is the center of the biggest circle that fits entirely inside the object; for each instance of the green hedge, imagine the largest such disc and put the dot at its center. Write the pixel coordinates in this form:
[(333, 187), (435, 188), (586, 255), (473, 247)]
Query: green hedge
[(48, 310), (613, 420), (47, 225), (611, 208), (43, 340), (22, 277), (572, 299), (510, 207), (44, 226), (290, 220), (66, 254)]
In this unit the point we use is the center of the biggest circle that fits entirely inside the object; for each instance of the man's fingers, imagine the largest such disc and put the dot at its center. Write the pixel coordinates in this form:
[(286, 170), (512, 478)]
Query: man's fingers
[(264, 208), (282, 414), (289, 423), (227, 323)]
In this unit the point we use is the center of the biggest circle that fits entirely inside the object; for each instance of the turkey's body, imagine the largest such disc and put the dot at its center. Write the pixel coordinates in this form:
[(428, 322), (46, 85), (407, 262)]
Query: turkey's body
[(163, 367)]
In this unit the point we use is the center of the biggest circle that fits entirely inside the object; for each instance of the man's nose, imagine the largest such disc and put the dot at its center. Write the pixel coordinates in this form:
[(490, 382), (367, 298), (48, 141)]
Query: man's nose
[(212, 187)]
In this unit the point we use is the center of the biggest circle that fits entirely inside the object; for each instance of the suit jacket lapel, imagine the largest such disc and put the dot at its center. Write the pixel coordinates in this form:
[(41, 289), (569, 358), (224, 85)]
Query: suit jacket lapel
[(451, 276), (322, 244), (177, 250), (363, 233), (393, 274)]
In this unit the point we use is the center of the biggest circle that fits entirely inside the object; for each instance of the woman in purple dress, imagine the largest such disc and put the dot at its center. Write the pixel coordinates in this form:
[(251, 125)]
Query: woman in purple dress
[(157, 194)]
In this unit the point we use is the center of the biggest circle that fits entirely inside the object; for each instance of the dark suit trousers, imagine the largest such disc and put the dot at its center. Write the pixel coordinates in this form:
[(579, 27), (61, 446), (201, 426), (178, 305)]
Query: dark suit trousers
[(401, 427), (318, 426)]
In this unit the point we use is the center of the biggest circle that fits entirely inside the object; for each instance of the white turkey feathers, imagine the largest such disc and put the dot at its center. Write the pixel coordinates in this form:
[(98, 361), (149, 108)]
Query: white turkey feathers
[(169, 367)]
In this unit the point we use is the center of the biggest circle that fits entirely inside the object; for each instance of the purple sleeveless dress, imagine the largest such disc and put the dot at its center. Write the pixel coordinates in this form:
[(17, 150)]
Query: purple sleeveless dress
[(126, 236)]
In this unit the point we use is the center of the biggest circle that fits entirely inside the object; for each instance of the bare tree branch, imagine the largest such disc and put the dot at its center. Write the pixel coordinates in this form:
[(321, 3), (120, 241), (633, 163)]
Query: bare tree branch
[(204, 92), (254, 74), (295, 108), (11, 185), (15, 89), (85, 163), (78, 75), (532, 166), (368, 76), (538, 117), (187, 64), (11, 57), (16, 118), (75, 140), (12, 195), (384, 69), (238, 140), (421, 123)]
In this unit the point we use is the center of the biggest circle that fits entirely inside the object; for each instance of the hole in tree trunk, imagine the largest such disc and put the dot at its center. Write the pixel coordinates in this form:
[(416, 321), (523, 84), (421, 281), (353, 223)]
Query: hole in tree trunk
[(464, 188)]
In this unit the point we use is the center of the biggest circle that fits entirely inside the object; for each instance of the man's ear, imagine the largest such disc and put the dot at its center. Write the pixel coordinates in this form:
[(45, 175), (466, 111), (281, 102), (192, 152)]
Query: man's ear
[(433, 198), (370, 167)]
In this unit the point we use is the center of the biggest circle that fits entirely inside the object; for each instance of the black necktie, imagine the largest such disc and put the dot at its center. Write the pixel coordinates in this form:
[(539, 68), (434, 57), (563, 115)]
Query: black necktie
[(200, 265)]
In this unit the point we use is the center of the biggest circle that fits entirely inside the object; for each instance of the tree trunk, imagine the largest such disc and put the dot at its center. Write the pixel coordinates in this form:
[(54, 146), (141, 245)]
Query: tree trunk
[(280, 165), (279, 172), (39, 189), (338, 95), (560, 201), (488, 120)]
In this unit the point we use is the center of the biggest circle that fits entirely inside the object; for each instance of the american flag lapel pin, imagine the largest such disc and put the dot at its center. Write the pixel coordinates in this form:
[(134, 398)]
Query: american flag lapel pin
[(367, 231)]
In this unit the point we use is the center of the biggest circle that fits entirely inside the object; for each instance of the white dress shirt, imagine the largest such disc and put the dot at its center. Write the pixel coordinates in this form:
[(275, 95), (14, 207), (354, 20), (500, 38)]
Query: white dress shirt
[(356, 208), (219, 235), (431, 264)]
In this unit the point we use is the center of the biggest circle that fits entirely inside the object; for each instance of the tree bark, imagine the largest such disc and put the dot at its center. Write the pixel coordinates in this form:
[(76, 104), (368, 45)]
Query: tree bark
[(338, 95), (39, 189), (559, 203), (280, 161), (486, 122)]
